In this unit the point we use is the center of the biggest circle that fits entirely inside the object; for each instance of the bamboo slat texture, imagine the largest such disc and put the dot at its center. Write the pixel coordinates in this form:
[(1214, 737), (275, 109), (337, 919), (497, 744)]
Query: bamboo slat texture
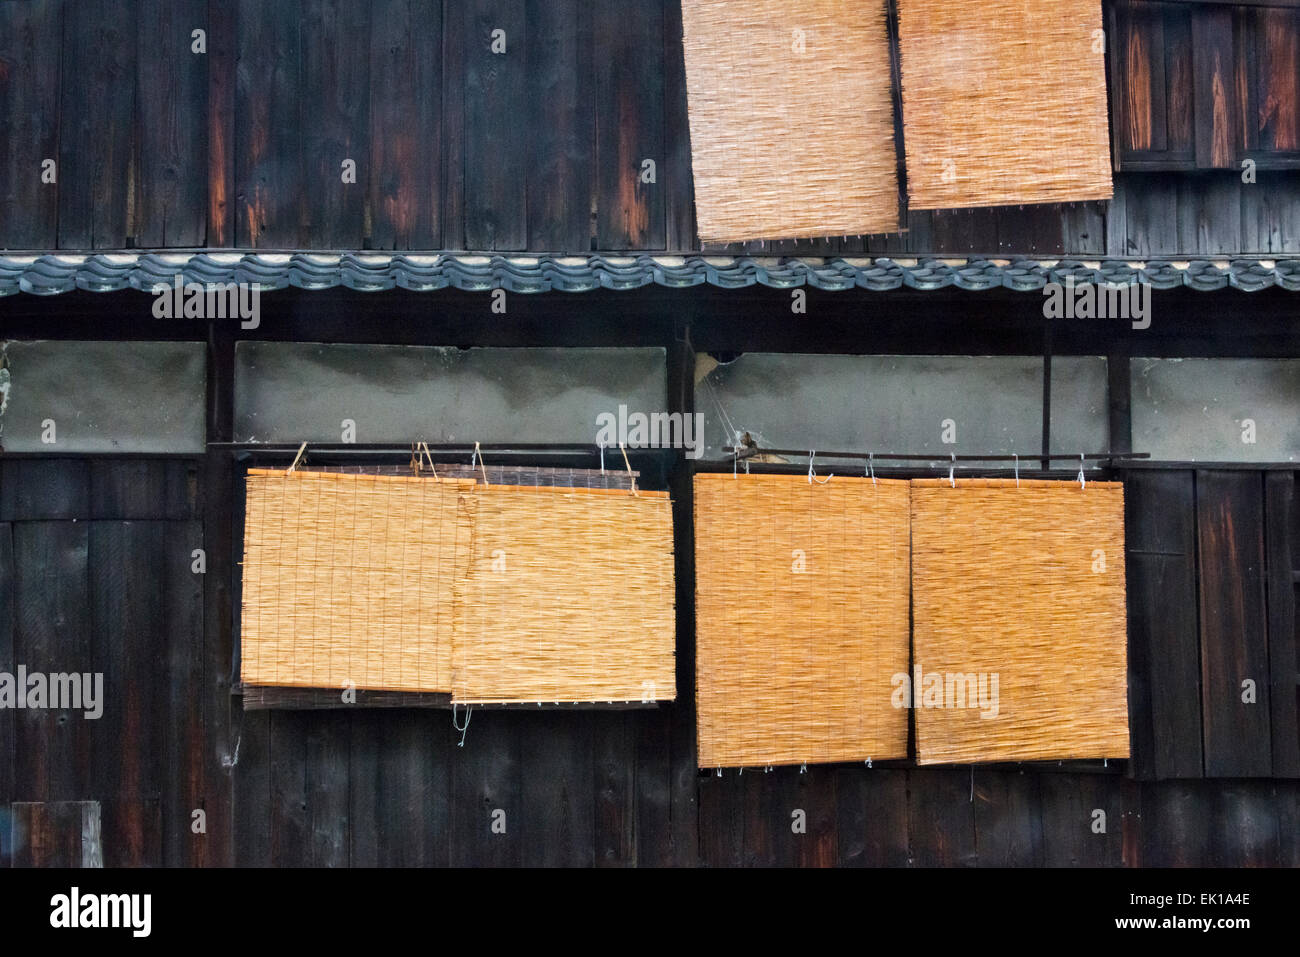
[(568, 597), (1026, 584), (1003, 103), (791, 118), (348, 578), (801, 618)]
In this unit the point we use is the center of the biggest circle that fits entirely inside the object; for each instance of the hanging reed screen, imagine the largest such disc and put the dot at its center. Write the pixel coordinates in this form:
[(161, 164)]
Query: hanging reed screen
[(1019, 626), (801, 618), (791, 118), (348, 579), (568, 597), (1003, 103)]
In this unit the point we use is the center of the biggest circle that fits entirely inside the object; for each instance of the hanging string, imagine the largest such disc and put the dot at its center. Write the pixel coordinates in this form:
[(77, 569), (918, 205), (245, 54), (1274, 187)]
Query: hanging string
[(871, 467), (297, 458), (812, 475), (628, 465), (1082, 480), (1017, 471), (602, 458), (469, 712), (951, 478), (478, 455)]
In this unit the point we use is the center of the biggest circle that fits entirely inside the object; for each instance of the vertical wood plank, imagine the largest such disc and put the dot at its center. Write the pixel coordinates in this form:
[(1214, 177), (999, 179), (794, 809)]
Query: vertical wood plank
[(30, 67), (815, 794), (455, 24), (34, 489), (1209, 214), (1277, 118), (653, 800), (1246, 826), (405, 173), (1164, 657), (57, 834), (52, 633), (485, 780), (872, 817), (722, 819), (184, 784), (250, 812), (1151, 216), (562, 119), (676, 176), (1176, 823), (268, 152), (400, 810), (1234, 645), (7, 665), (941, 817), (96, 116), (171, 125), (614, 762), (629, 124), (128, 740), (223, 40), (1282, 541), (1008, 819), (1216, 100), (1141, 80), (333, 120), (1070, 826), (497, 105), (769, 803), (1180, 135), (557, 800)]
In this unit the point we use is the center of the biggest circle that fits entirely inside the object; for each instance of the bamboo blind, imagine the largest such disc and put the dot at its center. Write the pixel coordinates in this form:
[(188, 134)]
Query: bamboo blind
[(1003, 103), (1026, 583), (801, 618), (348, 578), (568, 597), (791, 118)]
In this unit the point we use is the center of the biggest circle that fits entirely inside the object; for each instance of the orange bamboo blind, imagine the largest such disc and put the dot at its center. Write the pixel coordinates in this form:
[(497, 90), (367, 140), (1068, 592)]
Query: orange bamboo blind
[(801, 618), (1026, 584), (1003, 103), (348, 578), (568, 597), (791, 118)]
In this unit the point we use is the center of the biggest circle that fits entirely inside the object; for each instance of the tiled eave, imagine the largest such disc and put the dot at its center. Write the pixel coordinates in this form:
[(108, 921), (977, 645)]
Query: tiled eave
[(52, 273)]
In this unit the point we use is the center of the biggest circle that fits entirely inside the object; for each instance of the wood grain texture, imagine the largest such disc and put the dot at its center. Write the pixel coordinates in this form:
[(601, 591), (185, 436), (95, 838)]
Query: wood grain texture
[(1234, 643), (1282, 543), (30, 97)]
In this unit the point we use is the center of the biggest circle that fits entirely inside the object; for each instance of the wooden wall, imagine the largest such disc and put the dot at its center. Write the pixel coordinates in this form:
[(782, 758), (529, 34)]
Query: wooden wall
[(96, 574), (539, 148)]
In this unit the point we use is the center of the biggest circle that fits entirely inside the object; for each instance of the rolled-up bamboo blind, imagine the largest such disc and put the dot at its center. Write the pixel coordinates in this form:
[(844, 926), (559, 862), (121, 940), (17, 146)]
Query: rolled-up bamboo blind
[(1003, 103), (801, 618), (1026, 584), (791, 118), (348, 578), (568, 597)]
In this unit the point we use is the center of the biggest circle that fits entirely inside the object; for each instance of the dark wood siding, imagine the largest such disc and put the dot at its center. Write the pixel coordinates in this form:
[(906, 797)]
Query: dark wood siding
[(541, 148)]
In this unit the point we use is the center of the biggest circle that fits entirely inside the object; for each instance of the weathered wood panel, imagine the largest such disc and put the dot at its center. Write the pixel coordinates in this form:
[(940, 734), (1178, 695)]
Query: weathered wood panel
[(56, 834), (629, 37), (30, 70), (872, 826), (97, 161), (561, 126), (1164, 658), (7, 666), (405, 173), (1282, 543), (171, 120), (1234, 644), (269, 100), (496, 106), (334, 113)]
